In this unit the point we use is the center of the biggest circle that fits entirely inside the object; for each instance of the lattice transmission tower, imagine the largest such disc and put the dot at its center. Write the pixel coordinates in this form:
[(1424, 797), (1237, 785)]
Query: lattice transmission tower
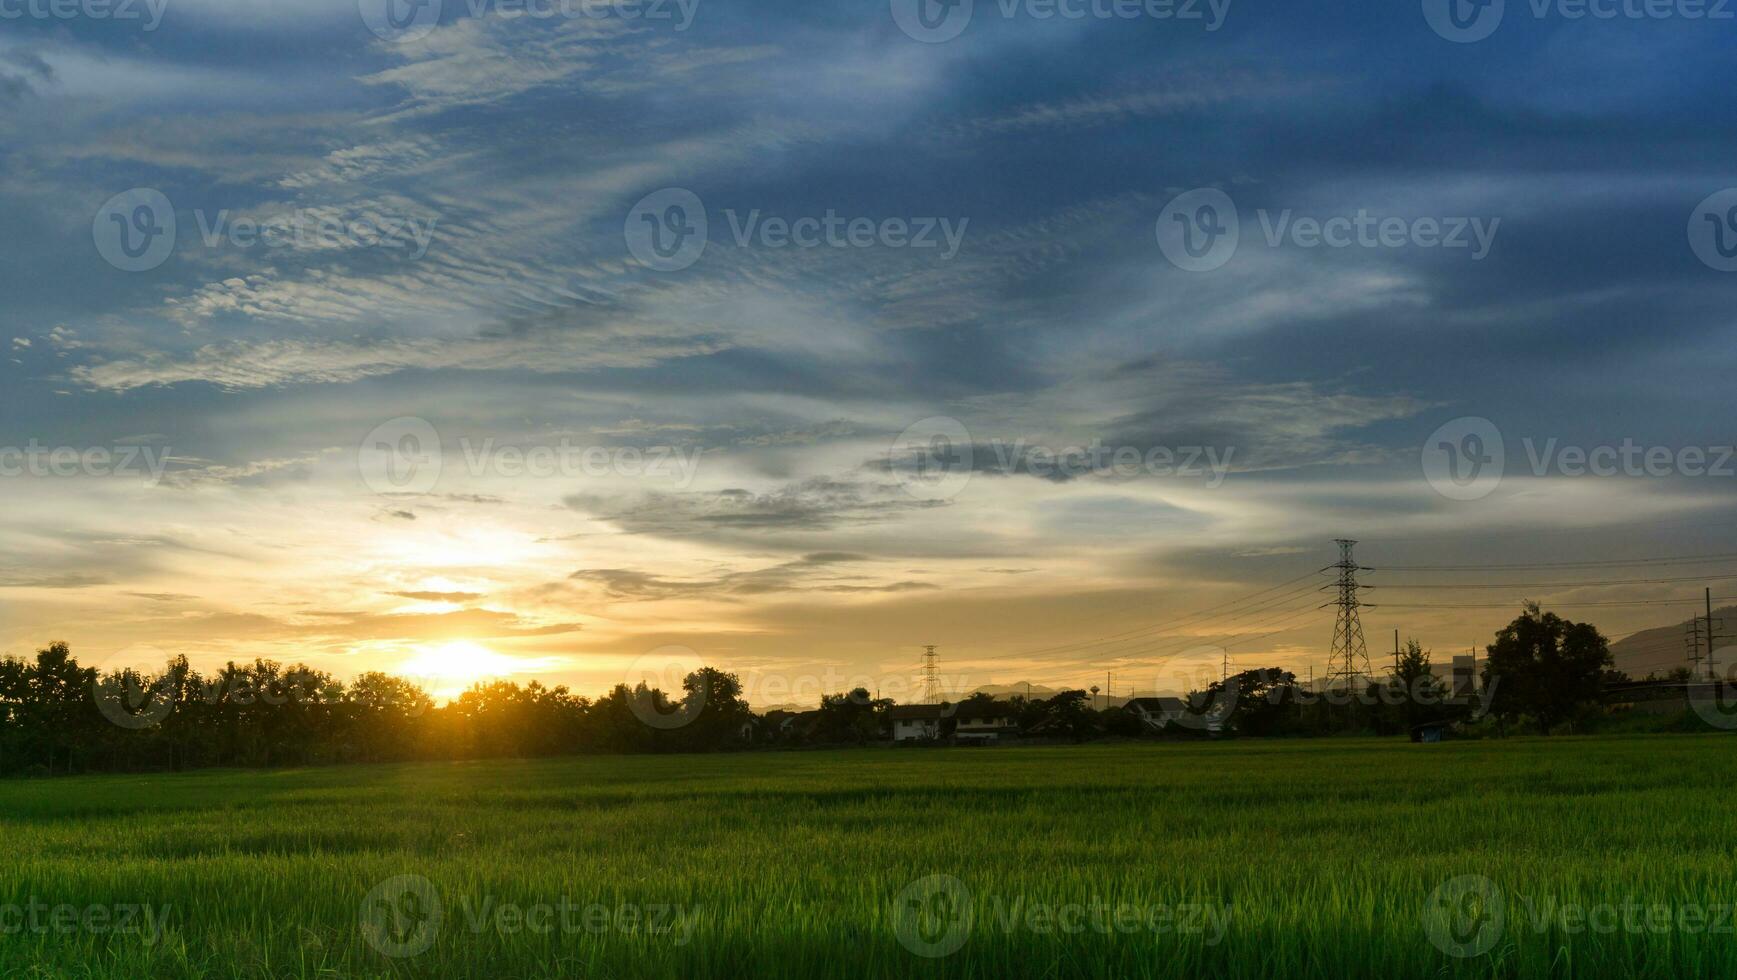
[(931, 677), (1348, 661)]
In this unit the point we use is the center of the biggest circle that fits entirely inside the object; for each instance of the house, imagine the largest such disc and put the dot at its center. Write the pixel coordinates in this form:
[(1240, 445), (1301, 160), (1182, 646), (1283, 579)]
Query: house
[(915, 722), (805, 724), (789, 726), (1051, 728), (984, 721), (1156, 713)]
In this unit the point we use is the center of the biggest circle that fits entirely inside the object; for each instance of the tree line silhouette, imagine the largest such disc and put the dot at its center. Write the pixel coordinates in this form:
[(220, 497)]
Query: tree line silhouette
[(59, 717)]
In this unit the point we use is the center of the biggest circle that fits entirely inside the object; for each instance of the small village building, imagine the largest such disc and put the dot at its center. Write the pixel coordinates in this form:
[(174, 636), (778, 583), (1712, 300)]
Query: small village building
[(984, 721), (915, 722), (1156, 714)]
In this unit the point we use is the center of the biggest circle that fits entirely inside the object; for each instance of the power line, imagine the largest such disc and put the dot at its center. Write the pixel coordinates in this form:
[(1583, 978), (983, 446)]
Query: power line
[(1506, 605), (1274, 604), (1276, 626), (1270, 629), (1264, 628), (1593, 563), (1177, 621), (1560, 585)]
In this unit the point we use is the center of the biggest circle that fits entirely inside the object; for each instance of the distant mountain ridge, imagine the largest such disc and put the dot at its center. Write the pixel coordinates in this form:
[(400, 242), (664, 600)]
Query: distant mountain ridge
[(1665, 648)]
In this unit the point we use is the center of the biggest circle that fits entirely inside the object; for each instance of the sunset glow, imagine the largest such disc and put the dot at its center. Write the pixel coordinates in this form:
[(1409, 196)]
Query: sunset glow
[(446, 670)]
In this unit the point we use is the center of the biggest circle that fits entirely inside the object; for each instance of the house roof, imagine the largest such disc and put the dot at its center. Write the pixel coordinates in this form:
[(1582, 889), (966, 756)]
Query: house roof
[(984, 711), (915, 712), (1156, 704)]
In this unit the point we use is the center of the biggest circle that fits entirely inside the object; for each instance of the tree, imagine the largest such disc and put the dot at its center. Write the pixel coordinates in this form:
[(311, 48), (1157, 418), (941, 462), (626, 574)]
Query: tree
[(58, 709), (1070, 714), (617, 721), (12, 694), (383, 713), (1544, 666), (718, 712), (1262, 701), (854, 717), (1413, 694)]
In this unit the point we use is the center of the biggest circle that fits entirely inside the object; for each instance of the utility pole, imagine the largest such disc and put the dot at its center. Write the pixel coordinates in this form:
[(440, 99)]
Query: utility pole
[(1692, 636), (1473, 687), (1712, 667), (1396, 653), (1348, 659)]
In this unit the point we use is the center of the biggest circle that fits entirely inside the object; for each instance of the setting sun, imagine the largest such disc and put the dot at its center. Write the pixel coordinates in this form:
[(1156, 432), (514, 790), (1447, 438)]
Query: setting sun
[(445, 671)]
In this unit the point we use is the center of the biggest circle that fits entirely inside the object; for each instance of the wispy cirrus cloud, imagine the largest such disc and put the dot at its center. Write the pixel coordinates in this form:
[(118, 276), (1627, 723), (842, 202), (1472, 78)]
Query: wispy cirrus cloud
[(815, 504), (820, 572), (240, 365)]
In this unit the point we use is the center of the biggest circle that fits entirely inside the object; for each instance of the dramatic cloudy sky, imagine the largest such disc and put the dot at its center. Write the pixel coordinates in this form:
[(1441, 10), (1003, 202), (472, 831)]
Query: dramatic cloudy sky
[(454, 217)]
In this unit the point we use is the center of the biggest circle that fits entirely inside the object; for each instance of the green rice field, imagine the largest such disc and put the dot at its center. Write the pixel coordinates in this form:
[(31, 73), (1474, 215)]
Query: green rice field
[(1512, 858)]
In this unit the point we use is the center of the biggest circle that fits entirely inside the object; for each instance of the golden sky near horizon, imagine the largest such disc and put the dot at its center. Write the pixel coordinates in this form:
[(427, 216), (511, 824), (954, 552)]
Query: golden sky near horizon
[(521, 577)]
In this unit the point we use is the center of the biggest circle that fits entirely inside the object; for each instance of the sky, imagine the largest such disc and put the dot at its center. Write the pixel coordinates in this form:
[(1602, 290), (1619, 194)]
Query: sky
[(575, 340)]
